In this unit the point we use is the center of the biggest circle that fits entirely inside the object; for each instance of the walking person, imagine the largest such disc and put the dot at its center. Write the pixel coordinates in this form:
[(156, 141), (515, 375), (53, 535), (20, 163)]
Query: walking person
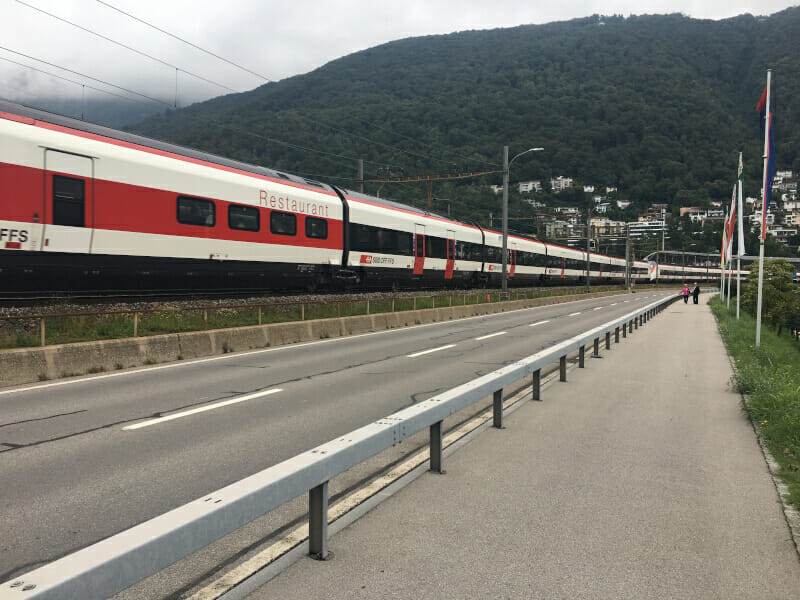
[(695, 293), (685, 294)]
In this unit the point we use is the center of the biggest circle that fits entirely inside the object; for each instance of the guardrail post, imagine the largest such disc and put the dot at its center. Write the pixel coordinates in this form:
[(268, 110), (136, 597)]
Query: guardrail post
[(536, 386), (318, 522), (302, 312), (596, 353), (136, 324), (259, 315), (616, 335), (205, 319), (624, 330), (41, 330), (562, 367), (367, 305), (433, 301), (414, 307), (581, 357), (436, 447), (608, 340), (392, 304), (497, 408)]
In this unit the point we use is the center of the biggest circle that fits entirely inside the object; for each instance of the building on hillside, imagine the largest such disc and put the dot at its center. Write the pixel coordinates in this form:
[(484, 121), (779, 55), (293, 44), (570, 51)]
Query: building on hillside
[(783, 174), (623, 204), (496, 188), (755, 220), (566, 210), (792, 218), (560, 183), (526, 187), (535, 203), (606, 226), (588, 189), (792, 204), (782, 234), (610, 190), (645, 227), (557, 229), (602, 208)]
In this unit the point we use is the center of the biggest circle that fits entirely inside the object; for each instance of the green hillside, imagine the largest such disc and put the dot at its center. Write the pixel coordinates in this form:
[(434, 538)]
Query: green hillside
[(657, 106)]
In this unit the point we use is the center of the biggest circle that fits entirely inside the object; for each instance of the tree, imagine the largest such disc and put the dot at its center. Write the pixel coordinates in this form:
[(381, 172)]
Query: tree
[(780, 297)]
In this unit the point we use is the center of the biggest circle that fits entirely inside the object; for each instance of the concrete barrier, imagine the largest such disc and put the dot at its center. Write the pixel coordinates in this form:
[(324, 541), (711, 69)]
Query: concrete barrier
[(26, 365)]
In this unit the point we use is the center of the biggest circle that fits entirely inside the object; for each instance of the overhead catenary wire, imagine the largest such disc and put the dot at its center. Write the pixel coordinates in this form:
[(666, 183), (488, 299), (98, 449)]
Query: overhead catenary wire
[(204, 121), (130, 48), (270, 80)]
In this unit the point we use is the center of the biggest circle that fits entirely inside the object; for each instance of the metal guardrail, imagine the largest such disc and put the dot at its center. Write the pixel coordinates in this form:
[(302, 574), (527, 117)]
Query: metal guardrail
[(111, 565)]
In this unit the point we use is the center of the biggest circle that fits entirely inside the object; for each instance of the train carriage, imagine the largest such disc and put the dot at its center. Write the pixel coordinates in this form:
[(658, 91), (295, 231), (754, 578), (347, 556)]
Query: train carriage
[(91, 208), (94, 211)]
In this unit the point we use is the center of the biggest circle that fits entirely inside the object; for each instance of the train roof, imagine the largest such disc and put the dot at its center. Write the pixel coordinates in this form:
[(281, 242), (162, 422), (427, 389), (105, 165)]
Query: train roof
[(130, 138)]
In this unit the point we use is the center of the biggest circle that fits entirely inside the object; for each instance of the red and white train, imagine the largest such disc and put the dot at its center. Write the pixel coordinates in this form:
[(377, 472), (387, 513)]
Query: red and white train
[(88, 207)]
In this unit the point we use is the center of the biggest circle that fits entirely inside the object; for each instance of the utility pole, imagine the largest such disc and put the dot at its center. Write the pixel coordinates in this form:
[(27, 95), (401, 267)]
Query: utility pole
[(361, 175), (505, 220), (588, 248), (627, 257)]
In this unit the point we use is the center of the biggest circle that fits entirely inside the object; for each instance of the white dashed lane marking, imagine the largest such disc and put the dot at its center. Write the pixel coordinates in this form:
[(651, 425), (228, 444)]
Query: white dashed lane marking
[(539, 323), (194, 411), (431, 350), (491, 335), (573, 314)]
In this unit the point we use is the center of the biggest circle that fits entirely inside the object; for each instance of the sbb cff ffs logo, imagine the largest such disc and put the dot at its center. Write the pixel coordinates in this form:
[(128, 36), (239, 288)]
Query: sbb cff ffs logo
[(13, 235)]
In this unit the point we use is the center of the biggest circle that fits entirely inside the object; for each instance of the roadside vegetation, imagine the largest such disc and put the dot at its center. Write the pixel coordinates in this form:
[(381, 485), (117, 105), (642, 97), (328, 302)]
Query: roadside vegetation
[(769, 375)]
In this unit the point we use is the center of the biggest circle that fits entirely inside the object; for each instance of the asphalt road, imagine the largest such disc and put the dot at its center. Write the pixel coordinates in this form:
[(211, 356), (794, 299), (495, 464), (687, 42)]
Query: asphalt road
[(85, 458)]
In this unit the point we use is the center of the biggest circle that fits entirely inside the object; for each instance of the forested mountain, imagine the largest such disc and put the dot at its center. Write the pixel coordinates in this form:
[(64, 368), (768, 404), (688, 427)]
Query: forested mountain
[(657, 106)]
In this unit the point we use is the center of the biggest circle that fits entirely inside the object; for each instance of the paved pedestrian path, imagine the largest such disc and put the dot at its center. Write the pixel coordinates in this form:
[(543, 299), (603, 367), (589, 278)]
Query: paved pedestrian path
[(639, 478)]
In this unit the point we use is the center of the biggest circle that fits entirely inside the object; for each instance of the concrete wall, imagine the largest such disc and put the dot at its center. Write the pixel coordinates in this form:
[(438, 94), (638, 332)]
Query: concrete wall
[(26, 365)]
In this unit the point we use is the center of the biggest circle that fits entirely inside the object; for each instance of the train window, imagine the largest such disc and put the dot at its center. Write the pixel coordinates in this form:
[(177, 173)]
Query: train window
[(435, 247), (194, 211), (68, 201), (282, 223), (316, 228), (246, 218), (404, 243)]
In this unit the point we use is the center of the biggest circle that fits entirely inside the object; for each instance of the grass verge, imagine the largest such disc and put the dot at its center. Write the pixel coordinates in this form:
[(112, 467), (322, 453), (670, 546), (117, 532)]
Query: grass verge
[(769, 378)]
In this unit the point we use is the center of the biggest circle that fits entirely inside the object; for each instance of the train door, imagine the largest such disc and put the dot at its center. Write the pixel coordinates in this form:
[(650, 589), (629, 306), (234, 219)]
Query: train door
[(451, 254), (419, 249), (68, 202), (512, 259)]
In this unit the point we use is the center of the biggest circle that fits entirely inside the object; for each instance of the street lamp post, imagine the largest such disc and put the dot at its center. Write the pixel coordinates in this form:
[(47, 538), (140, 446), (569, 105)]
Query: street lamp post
[(506, 165)]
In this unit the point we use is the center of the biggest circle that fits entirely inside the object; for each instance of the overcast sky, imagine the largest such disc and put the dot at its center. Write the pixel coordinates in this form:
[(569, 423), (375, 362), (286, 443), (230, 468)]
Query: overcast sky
[(274, 39)]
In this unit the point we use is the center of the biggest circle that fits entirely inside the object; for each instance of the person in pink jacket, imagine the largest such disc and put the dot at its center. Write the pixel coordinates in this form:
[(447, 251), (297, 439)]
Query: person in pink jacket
[(685, 294)]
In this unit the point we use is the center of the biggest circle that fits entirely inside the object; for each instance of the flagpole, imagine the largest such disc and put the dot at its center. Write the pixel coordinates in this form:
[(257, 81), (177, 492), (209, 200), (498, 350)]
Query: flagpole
[(740, 238), (767, 125)]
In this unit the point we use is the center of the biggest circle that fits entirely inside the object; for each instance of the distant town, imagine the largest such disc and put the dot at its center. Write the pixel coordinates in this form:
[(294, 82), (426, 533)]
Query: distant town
[(568, 223)]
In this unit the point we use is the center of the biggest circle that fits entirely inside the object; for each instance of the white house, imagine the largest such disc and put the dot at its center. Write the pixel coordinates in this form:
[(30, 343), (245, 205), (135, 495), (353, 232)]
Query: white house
[(526, 187)]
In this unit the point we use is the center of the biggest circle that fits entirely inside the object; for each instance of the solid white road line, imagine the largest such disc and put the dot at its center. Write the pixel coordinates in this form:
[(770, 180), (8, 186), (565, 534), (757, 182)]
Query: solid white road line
[(431, 350), (491, 335), (539, 323), (194, 411), (614, 303), (573, 314), (598, 308)]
